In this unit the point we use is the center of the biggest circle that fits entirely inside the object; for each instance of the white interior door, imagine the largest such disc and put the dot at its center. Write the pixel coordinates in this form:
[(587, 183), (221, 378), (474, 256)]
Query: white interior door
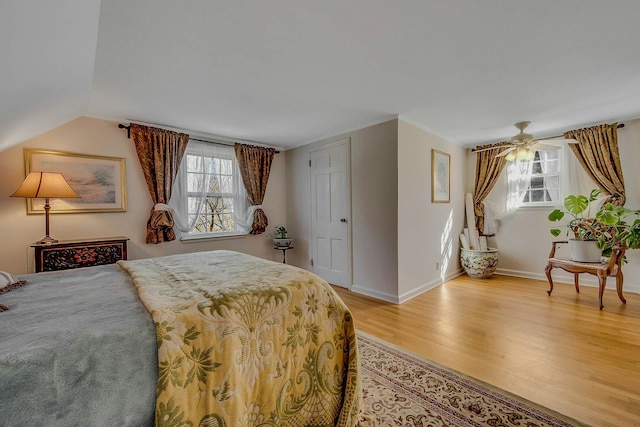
[(330, 213)]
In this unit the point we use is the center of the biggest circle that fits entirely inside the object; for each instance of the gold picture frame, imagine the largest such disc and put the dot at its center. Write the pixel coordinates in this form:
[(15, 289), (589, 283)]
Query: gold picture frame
[(440, 177), (100, 181)]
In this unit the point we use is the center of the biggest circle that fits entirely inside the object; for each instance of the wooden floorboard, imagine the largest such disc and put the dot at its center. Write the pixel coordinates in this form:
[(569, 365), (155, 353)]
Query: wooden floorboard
[(558, 351)]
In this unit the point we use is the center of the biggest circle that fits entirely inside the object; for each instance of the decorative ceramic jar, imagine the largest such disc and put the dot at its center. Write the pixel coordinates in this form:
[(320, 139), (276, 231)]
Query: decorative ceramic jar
[(479, 264), (283, 242)]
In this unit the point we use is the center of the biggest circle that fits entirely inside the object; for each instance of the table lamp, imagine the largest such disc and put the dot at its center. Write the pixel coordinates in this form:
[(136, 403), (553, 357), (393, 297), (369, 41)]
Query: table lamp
[(45, 185)]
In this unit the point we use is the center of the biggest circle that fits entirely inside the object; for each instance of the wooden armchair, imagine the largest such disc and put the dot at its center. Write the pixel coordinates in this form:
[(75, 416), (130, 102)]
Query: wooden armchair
[(613, 268)]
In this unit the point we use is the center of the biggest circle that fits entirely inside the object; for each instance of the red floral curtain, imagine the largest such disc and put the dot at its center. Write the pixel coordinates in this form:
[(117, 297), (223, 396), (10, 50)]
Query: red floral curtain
[(255, 166), (597, 152), (160, 153)]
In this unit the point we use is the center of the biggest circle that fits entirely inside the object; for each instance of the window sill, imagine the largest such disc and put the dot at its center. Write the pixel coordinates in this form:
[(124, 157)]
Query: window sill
[(211, 236), (539, 207)]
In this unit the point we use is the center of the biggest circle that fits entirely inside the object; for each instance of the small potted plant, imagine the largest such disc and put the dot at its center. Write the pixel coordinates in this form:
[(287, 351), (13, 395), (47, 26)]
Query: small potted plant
[(280, 238)]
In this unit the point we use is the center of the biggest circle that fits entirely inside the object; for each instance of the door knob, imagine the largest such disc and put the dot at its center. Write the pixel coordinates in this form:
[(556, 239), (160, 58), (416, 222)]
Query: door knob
[(343, 220)]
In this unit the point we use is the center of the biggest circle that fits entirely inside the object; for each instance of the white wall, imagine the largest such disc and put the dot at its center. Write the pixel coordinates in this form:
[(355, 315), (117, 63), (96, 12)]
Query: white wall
[(98, 137), (398, 235), (428, 242), (524, 239), (374, 218), (374, 199)]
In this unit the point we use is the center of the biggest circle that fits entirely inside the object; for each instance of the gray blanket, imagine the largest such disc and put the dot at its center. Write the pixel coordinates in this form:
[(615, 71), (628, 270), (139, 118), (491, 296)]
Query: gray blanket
[(77, 348)]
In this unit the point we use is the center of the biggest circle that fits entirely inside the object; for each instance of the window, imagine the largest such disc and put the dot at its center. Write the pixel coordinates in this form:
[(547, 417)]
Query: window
[(209, 194), (545, 179), (535, 182)]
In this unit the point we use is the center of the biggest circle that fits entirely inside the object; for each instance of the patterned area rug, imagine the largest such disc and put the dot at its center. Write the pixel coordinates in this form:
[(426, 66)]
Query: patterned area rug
[(402, 389)]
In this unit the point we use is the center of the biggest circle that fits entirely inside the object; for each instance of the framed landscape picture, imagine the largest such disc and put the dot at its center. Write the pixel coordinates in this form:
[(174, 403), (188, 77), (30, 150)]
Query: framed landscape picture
[(440, 176), (100, 181)]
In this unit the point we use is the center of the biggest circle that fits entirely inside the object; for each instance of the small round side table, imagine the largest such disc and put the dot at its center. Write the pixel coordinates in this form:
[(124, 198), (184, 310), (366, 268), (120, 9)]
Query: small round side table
[(284, 250)]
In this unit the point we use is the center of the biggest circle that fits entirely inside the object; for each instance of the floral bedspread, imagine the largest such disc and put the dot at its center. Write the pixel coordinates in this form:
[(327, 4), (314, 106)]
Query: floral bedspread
[(244, 341)]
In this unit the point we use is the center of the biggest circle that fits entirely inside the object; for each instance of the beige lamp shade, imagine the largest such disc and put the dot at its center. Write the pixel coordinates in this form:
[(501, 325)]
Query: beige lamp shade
[(45, 185)]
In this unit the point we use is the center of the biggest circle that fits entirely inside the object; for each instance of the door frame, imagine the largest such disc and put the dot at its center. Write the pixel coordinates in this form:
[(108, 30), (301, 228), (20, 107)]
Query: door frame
[(347, 142)]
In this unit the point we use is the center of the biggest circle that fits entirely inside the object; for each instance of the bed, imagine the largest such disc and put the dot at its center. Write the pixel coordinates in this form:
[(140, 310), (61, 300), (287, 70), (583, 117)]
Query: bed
[(203, 339)]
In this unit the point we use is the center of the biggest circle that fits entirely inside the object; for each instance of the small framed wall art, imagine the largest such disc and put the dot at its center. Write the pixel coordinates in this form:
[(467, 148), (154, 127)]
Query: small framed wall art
[(440, 176), (100, 181)]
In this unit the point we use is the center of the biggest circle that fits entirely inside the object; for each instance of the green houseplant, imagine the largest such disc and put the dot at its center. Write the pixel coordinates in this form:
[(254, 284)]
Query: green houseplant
[(608, 227), (587, 238), (621, 227), (279, 236), (582, 222), (280, 232)]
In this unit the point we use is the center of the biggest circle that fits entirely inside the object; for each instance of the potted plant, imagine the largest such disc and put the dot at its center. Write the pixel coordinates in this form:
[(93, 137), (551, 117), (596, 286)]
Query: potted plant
[(587, 231), (280, 238), (607, 228)]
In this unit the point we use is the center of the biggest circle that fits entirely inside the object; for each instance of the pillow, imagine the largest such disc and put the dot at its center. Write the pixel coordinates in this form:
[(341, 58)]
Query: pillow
[(8, 283), (6, 279)]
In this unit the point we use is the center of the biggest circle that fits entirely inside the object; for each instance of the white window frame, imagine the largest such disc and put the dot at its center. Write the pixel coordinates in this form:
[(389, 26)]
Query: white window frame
[(218, 175), (547, 188), (181, 194)]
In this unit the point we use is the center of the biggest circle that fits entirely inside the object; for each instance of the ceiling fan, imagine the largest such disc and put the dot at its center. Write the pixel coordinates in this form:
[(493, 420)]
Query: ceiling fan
[(520, 145)]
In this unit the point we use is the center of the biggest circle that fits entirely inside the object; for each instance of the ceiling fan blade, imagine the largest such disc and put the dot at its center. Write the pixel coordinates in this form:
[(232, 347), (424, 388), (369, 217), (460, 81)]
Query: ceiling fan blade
[(545, 147), (540, 144), (505, 152)]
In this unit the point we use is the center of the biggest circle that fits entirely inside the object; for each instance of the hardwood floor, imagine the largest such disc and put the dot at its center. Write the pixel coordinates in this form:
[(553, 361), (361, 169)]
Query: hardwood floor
[(559, 351)]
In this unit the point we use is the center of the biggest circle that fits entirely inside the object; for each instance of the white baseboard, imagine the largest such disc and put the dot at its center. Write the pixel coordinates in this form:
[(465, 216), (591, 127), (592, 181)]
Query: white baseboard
[(523, 274), (395, 299), (427, 286), (560, 276), (384, 296)]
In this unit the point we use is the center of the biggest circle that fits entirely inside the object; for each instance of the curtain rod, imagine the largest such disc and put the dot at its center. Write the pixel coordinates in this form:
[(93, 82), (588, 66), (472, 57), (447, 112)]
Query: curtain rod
[(620, 125), (227, 144), (473, 150)]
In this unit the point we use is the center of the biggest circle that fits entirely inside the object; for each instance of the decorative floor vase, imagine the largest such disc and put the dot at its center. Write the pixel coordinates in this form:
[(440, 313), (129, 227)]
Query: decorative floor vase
[(479, 264)]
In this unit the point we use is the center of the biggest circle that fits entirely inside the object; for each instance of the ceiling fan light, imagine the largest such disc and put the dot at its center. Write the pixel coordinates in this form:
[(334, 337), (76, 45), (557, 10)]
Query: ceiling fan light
[(530, 154), (521, 154), (511, 156)]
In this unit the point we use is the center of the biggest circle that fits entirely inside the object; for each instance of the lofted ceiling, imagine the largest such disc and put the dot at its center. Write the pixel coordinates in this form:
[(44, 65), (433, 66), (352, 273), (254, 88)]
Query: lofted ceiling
[(290, 72)]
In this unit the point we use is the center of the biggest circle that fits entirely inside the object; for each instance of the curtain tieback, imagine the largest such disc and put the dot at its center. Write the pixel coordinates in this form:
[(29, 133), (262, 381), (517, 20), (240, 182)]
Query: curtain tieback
[(258, 219), (161, 216), (252, 213), (616, 199), (180, 223), (478, 208), (246, 222)]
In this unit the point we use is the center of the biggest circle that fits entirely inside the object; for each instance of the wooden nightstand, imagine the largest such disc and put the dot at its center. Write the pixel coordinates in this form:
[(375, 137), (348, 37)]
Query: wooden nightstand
[(67, 254)]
